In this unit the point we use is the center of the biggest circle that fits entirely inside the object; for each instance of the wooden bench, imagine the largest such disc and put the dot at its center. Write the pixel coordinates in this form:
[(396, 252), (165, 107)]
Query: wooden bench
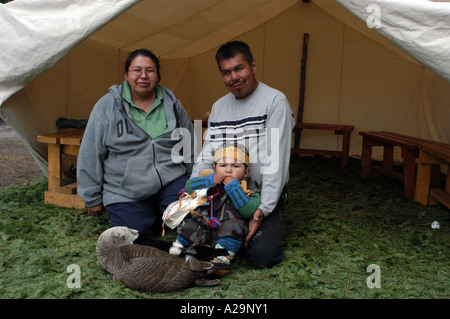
[(344, 130), (66, 142), (428, 189), (409, 152)]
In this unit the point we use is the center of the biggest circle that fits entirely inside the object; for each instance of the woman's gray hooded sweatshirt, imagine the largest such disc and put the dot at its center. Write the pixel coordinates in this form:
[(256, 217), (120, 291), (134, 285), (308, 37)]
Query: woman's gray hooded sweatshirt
[(119, 162)]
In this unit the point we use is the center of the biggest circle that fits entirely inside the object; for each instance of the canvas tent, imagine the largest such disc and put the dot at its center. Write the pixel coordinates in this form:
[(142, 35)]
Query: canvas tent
[(374, 64)]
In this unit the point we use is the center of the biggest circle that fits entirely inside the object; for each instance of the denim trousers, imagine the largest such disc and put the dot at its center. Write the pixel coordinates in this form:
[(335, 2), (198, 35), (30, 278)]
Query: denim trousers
[(145, 215)]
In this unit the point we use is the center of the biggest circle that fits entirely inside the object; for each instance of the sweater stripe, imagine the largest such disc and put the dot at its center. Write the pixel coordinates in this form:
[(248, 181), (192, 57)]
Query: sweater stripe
[(238, 130), (237, 135), (254, 120)]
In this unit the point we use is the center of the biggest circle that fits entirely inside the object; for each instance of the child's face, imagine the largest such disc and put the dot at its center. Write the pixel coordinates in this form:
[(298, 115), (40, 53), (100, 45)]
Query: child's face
[(230, 167)]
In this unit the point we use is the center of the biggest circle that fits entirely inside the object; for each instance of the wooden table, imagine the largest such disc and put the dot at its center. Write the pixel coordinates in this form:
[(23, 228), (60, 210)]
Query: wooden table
[(66, 142), (428, 191), (344, 130)]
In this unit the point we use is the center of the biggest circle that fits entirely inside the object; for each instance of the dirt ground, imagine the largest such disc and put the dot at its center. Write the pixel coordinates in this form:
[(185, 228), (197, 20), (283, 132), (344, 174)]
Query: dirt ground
[(17, 166)]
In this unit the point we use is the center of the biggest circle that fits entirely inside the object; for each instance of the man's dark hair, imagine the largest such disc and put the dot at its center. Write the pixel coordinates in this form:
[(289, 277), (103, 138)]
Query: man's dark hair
[(231, 49)]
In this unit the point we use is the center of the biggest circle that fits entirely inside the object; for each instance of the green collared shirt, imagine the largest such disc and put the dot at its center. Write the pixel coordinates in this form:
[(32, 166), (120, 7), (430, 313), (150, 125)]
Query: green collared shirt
[(154, 123)]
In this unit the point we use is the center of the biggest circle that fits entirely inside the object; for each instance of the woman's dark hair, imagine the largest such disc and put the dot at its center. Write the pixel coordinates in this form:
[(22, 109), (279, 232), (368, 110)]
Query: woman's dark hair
[(143, 52), (231, 49)]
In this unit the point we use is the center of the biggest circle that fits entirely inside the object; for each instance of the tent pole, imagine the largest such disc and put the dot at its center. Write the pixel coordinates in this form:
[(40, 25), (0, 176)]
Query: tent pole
[(302, 88)]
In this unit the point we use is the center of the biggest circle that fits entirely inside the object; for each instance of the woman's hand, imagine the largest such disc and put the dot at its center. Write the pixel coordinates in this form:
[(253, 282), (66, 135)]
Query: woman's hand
[(95, 210)]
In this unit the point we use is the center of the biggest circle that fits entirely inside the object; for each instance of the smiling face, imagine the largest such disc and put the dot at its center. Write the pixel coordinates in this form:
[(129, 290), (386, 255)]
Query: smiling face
[(239, 76), (142, 84)]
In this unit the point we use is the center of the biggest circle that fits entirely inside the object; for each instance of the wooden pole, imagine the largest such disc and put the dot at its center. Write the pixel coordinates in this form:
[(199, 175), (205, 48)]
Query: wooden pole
[(302, 88)]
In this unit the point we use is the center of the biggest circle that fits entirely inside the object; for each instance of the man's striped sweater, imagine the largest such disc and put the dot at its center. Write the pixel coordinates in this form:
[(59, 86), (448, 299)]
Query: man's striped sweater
[(263, 123)]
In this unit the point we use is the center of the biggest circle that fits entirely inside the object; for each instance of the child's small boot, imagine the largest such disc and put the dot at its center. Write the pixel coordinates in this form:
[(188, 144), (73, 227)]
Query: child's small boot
[(179, 246), (222, 264)]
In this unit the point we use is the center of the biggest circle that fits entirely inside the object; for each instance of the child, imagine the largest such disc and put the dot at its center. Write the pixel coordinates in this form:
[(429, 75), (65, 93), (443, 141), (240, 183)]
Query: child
[(223, 224)]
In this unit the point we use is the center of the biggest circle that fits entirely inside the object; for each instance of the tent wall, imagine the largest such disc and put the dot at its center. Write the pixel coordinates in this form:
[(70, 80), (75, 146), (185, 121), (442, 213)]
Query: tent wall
[(351, 78), (354, 76)]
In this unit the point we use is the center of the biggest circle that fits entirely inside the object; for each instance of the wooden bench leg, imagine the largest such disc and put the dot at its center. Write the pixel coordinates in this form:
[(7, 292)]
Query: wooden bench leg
[(409, 173), (422, 191), (435, 182), (345, 148), (366, 161), (428, 176), (440, 195), (388, 156), (54, 167), (447, 182)]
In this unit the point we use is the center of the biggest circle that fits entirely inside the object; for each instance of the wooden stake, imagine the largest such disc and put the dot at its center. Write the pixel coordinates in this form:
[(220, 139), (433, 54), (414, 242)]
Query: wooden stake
[(302, 88)]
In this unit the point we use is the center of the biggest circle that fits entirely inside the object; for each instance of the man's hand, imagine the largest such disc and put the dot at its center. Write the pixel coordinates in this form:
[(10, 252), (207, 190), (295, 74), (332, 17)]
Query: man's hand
[(254, 224), (95, 210)]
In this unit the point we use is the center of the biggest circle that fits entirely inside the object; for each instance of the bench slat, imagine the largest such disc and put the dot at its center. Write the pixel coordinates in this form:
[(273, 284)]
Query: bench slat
[(315, 152), (413, 138), (54, 138), (389, 139), (72, 140), (320, 126), (437, 150)]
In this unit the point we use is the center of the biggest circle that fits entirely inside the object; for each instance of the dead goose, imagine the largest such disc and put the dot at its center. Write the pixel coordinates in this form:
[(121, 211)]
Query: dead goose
[(107, 250), (147, 268)]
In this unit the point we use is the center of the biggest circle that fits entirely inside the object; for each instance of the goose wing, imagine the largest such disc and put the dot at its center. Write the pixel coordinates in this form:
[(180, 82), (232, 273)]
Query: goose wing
[(157, 274)]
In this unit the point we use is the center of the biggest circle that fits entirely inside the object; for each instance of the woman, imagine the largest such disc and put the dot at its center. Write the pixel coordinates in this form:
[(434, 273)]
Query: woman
[(125, 161)]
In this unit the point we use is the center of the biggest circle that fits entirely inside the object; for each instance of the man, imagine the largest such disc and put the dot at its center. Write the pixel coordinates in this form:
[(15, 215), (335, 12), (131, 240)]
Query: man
[(261, 118)]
